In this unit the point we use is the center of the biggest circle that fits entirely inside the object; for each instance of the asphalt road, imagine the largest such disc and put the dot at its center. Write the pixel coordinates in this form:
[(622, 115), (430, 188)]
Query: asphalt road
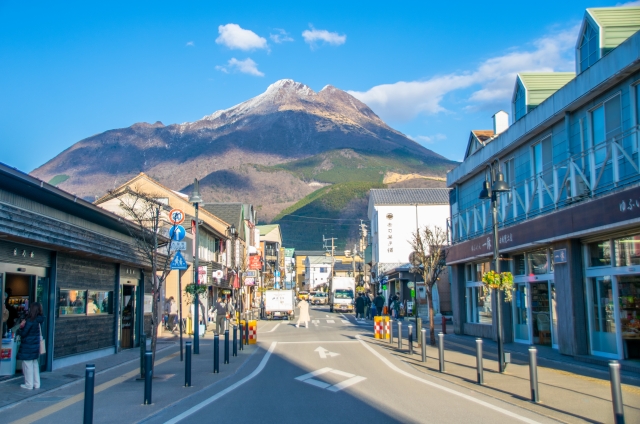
[(332, 372)]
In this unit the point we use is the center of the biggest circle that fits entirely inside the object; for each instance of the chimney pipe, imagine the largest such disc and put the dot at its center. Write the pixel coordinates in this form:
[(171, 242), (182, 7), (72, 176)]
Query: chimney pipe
[(500, 122)]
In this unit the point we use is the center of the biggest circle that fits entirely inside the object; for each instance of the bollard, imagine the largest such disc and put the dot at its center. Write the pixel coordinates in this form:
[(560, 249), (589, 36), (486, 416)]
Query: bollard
[(399, 335), (216, 353), (533, 374), (390, 332), (187, 365), (423, 343), (616, 392), (441, 350), (143, 349), (479, 365), (246, 332), (148, 375), (410, 339), (89, 383), (241, 335), (418, 332), (226, 346), (235, 340), (444, 325)]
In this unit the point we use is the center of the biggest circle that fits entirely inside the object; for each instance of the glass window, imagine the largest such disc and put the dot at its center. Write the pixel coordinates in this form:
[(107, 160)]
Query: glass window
[(629, 294), (606, 122), (589, 46), (520, 305), (627, 251), (100, 302), (520, 102), (599, 253), (481, 269), (518, 265), (508, 170), (72, 302), (602, 316), (484, 306), (538, 263)]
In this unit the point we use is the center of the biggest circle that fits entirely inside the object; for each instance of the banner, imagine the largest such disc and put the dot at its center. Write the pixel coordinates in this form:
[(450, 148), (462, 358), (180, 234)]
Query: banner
[(255, 262), (249, 281)]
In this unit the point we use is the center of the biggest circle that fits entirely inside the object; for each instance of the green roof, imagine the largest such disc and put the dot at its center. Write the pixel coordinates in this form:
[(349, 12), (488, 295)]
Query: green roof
[(541, 85), (266, 229), (616, 25)]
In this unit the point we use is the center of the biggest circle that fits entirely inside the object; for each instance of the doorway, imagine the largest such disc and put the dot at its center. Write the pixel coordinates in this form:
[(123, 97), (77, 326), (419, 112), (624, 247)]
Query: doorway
[(541, 313), (127, 316)]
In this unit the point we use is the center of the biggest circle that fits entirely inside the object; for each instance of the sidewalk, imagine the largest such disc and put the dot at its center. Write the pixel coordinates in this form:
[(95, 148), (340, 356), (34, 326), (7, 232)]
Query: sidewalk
[(570, 390)]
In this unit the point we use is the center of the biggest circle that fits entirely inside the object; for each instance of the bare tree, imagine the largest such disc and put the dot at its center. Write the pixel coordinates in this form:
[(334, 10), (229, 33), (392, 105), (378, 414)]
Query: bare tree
[(150, 219), (431, 250)]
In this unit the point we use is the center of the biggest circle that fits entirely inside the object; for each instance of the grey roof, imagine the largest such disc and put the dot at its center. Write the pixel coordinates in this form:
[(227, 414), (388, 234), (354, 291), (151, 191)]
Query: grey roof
[(228, 212), (410, 196), (309, 253)]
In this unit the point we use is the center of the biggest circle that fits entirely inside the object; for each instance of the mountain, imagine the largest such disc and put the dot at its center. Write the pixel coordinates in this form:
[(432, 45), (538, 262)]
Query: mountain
[(272, 150)]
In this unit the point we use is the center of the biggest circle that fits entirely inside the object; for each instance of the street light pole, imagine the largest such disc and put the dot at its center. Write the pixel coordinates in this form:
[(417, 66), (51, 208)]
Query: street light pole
[(196, 199), (491, 188)]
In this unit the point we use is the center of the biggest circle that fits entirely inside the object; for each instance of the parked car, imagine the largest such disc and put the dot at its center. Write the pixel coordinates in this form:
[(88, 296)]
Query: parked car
[(319, 298)]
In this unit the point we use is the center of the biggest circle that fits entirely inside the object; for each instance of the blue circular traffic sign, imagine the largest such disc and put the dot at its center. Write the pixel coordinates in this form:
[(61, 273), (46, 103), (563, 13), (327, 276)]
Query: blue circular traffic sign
[(177, 232)]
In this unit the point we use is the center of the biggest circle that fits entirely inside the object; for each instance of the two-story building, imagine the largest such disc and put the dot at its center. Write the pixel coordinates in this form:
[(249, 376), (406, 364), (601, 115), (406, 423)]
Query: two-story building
[(569, 226)]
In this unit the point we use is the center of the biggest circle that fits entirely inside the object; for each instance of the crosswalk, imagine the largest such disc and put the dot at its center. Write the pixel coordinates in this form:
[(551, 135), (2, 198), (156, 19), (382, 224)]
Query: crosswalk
[(322, 321)]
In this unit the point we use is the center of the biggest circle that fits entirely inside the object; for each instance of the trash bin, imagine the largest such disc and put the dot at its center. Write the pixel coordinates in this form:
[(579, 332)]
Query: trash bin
[(8, 353)]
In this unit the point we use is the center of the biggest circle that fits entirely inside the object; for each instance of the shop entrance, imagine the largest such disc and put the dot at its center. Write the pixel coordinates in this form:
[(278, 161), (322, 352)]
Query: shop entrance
[(534, 313), (127, 316), (541, 313), (22, 290)]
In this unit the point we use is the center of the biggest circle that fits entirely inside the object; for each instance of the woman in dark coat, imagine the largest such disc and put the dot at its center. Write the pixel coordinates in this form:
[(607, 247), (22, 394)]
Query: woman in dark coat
[(29, 351), (360, 307)]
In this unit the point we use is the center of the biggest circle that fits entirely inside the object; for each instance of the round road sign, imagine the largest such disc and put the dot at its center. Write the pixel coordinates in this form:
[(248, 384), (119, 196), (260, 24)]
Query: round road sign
[(176, 216), (414, 259)]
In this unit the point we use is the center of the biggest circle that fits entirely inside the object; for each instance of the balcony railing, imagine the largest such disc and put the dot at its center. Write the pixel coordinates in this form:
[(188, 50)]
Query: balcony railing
[(597, 170)]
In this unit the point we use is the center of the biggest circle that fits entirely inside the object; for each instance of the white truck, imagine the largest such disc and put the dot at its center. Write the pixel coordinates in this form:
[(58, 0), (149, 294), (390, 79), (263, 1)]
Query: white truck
[(280, 304), (342, 294)]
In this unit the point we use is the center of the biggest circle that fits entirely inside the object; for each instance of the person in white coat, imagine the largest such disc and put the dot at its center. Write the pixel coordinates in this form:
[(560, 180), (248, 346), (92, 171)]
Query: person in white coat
[(304, 313)]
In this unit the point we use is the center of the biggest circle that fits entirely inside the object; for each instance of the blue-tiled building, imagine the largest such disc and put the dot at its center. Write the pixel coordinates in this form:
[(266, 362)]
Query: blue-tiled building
[(569, 228)]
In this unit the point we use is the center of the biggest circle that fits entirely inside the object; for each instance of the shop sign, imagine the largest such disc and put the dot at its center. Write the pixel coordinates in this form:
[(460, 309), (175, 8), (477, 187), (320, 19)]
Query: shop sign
[(249, 281), (255, 262), (148, 303), (226, 291), (202, 275), (560, 256)]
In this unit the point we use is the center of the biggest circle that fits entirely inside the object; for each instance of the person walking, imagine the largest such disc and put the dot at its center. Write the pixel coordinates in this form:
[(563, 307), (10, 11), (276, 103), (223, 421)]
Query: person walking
[(221, 315), (379, 303), (304, 313), (29, 352), (360, 307)]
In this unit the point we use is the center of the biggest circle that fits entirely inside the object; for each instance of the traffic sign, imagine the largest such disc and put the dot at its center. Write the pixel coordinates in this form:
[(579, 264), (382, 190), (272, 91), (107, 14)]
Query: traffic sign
[(177, 232), (178, 262), (177, 245), (414, 259), (176, 216), (277, 273)]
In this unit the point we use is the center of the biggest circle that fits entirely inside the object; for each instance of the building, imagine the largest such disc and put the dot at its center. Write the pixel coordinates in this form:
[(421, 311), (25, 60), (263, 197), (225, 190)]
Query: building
[(80, 262), (317, 272), (395, 215), (270, 246), (300, 256), (569, 228)]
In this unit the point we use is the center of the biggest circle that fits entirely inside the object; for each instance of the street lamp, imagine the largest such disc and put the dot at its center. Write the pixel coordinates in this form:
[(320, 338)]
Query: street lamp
[(196, 199), (491, 187), (415, 260), (233, 233)]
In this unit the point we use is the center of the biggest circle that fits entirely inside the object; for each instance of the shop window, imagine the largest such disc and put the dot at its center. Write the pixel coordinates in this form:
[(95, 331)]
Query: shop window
[(606, 123), (478, 306), (627, 251), (518, 265), (599, 253), (538, 262), (100, 302), (72, 302), (481, 269)]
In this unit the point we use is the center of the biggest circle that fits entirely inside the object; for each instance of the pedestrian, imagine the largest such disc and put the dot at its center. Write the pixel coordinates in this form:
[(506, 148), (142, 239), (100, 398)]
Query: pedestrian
[(173, 313), (379, 303), (360, 307), (304, 313), (221, 315), (367, 306), (29, 352), (395, 306)]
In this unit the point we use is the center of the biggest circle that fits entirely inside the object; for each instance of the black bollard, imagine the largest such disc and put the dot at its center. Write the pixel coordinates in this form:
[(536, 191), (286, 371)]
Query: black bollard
[(89, 383), (616, 392), (226, 346), (241, 335), (533, 374), (235, 340), (399, 335), (187, 365), (441, 350), (410, 339), (423, 342), (479, 365), (148, 375), (246, 332), (216, 353)]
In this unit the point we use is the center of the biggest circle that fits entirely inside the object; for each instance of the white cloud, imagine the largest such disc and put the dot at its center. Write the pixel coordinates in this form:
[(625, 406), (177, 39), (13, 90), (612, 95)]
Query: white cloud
[(492, 81), (190, 44), (281, 36), (246, 66), (234, 37), (314, 36), (428, 139), (630, 3)]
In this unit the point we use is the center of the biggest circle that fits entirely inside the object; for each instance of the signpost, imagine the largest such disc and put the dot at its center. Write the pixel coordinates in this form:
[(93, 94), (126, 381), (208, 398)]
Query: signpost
[(178, 262), (176, 216)]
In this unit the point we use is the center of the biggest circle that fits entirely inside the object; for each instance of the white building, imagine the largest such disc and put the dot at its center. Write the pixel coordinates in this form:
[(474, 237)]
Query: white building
[(395, 215), (317, 270)]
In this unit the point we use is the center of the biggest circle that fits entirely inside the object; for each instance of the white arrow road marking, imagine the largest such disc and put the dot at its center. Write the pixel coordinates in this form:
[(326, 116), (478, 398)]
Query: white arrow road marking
[(352, 379), (344, 321), (274, 328), (324, 353)]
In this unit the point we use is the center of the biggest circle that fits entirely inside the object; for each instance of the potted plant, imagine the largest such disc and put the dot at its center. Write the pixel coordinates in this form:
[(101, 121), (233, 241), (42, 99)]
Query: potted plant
[(502, 281)]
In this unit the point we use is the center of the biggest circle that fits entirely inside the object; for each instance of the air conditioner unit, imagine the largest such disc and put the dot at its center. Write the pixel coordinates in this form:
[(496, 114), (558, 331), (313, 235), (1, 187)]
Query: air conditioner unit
[(581, 190)]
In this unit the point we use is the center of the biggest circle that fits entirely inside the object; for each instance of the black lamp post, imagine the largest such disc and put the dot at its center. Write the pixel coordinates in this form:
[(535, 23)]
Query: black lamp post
[(233, 232), (196, 199), (491, 187)]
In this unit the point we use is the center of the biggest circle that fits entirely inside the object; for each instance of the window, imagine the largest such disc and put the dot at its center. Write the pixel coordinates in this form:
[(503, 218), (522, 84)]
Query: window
[(599, 253), (519, 102), (518, 265), (100, 302), (542, 156), (627, 251), (538, 262), (72, 302), (478, 303), (589, 47), (606, 123), (509, 172), (323, 269)]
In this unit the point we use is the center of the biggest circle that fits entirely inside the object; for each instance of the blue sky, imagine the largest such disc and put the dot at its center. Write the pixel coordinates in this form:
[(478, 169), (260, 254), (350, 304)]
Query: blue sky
[(434, 71)]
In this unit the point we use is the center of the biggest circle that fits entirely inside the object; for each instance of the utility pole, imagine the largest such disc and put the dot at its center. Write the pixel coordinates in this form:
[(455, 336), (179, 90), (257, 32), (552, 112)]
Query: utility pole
[(326, 245)]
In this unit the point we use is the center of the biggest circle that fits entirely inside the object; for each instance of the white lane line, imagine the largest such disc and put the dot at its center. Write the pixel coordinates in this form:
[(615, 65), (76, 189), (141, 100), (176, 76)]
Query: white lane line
[(274, 328), (317, 383), (321, 341), (330, 321), (346, 383), (342, 373), (446, 389), (231, 388), (344, 321), (314, 373)]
